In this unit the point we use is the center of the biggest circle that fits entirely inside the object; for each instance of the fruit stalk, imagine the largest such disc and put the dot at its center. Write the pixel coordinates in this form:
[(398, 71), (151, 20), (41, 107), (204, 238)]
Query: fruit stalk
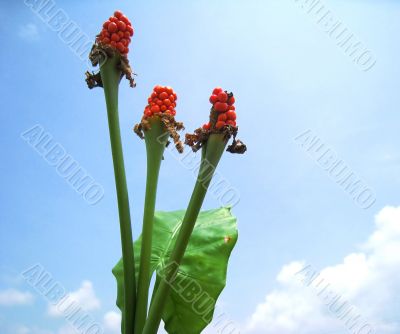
[(156, 127), (212, 151), (110, 76), (156, 139)]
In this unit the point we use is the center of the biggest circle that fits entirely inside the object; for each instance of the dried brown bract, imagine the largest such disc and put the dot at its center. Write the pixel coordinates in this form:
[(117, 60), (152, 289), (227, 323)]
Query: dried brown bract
[(99, 55), (171, 125)]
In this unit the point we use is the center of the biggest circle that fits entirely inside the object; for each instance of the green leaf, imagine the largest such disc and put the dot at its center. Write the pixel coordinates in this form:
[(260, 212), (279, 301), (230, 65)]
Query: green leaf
[(202, 274)]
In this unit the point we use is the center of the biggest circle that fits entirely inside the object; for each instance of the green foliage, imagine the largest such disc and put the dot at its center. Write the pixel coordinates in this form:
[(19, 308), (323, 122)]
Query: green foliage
[(202, 274)]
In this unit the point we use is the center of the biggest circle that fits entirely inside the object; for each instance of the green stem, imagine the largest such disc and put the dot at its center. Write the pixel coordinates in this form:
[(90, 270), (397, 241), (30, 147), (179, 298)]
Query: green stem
[(156, 139), (214, 149), (110, 76)]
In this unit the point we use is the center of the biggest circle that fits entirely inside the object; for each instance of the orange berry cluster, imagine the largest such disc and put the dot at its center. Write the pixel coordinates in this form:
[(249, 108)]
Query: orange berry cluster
[(117, 32), (162, 100), (223, 104)]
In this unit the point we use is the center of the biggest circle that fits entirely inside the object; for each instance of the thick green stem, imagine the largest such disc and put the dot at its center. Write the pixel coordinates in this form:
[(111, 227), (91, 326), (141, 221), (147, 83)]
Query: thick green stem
[(110, 76), (214, 149), (156, 139)]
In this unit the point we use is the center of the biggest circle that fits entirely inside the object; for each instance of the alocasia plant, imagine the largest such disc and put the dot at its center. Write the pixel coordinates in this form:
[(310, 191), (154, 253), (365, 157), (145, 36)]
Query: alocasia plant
[(212, 138), (186, 246)]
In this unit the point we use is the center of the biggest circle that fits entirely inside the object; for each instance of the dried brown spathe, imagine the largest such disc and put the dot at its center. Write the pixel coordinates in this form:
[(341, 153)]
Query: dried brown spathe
[(200, 137), (171, 125), (98, 55)]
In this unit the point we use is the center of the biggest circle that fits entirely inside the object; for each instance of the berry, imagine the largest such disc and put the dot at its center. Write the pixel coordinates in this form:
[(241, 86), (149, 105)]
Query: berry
[(163, 95), (222, 102), (221, 107), (222, 117), (162, 99), (120, 47), (121, 26), (217, 90), (206, 126), (115, 37), (222, 97), (112, 27), (116, 29), (213, 99), (167, 102), (130, 30), (231, 115), (155, 108), (219, 124), (118, 14), (124, 19)]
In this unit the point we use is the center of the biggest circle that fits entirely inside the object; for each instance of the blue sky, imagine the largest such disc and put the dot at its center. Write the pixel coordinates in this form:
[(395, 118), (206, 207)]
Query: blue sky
[(288, 76)]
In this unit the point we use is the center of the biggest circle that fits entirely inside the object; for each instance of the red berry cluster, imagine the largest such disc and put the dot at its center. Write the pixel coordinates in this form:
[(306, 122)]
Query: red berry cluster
[(162, 100), (117, 32), (222, 102)]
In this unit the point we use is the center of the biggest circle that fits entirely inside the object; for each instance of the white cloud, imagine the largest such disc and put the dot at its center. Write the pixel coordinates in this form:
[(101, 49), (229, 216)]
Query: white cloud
[(111, 325), (28, 32), (11, 297), (22, 330), (112, 322), (26, 330), (367, 280), (67, 329), (40, 331), (84, 297)]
